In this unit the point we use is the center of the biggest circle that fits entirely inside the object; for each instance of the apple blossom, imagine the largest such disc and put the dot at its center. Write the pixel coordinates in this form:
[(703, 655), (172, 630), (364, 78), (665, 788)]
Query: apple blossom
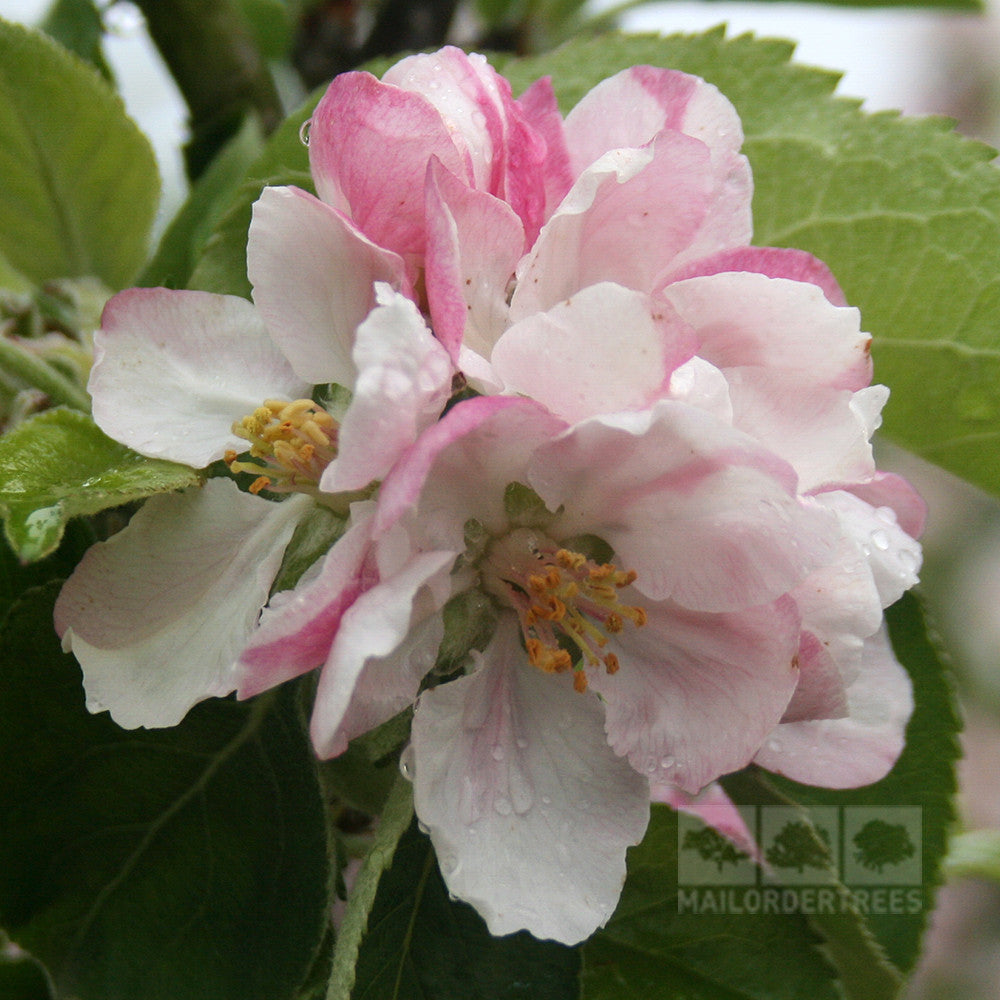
[(158, 615), (498, 208)]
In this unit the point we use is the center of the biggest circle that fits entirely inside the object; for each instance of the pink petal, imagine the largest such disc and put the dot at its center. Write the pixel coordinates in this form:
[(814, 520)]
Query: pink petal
[(381, 653), (745, 319), (858, 749), (313, 276), (174, 369), (714, 808), (486, 441), (630, 108), (474, 242), (627, 219), (297, 627), (528, 809), (563, 357), (701, 512), (886, 489), (369, 145), (503, 152), (820, 692), (775, 262), (538, 104), (696, 694), (158, 614), (403, 383), (816, 429)]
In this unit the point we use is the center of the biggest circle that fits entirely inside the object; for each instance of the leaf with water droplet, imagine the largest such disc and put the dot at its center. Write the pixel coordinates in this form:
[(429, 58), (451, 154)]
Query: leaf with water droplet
[(59, 465)]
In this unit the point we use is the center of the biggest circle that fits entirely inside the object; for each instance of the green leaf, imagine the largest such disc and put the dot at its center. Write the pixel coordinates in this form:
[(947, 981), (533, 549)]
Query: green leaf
[(421, 944), (906, 212), (222, 267), (185, 237), (80, 181), (182, 863), (77, 25), (655, 948), (59, 465)]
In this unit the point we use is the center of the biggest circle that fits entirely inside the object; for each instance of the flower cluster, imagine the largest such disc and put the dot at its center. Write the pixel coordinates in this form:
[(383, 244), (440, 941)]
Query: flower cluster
[(612, 524)]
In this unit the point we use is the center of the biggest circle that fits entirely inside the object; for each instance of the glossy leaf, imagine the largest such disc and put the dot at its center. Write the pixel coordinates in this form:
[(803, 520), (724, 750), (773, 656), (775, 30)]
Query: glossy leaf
[(59, 465)]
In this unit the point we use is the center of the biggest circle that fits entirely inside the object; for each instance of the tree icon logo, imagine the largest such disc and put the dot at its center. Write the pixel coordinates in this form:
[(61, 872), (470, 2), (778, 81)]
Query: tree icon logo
[(713, 846), (800, 846), (879, 844)]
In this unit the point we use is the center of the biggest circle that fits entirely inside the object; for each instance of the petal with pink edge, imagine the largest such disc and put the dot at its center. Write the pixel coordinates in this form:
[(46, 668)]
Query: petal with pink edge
[(745, 319), (703, 514), (486, 441), (298, 626), (858, 749), (381, 652), (474, 242), (403, 383), (174, 369), (529, 810), (628, 219), (313, 278), (369, 145), (632, 107), (775, 262), (159, 614), (714, 808), (564, 358), (696, 694)]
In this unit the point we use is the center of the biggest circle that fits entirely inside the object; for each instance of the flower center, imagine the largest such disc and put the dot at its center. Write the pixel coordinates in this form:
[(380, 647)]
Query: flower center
[(567, 603), (294, 443)]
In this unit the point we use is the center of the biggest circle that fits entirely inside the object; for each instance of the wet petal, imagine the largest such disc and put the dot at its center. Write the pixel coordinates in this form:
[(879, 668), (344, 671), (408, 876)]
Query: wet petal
[(529, 810)]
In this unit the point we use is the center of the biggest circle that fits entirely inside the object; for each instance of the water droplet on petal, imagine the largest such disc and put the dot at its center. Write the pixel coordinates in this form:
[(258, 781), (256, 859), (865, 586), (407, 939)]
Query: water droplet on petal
[(522, 744), (304, 129), (407, 766), (452, 897), (774, 745), (546, 801), (886, 515), (423, 827), (667, 762), (880, 539), (497, 753), (502, 805), (908, 559)]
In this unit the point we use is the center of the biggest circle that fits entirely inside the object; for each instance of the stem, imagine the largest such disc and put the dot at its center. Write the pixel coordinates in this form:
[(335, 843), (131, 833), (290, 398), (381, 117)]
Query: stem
[(38, 373), (210, 53)]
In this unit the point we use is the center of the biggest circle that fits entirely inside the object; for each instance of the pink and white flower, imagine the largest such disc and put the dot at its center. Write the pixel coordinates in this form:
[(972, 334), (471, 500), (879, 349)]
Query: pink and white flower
[(493, 209), (158, 615)]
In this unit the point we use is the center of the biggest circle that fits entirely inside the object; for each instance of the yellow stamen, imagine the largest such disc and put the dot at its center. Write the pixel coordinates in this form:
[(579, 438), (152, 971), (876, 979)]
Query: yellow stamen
[(294, 442), (568, 606)]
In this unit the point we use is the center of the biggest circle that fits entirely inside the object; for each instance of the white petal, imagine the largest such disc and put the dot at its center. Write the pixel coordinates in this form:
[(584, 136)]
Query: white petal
[(404, 380), (564, 358), (174, 369), (858, 749), (529, 810), (376, 635), (158, 614), (313, 280)]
